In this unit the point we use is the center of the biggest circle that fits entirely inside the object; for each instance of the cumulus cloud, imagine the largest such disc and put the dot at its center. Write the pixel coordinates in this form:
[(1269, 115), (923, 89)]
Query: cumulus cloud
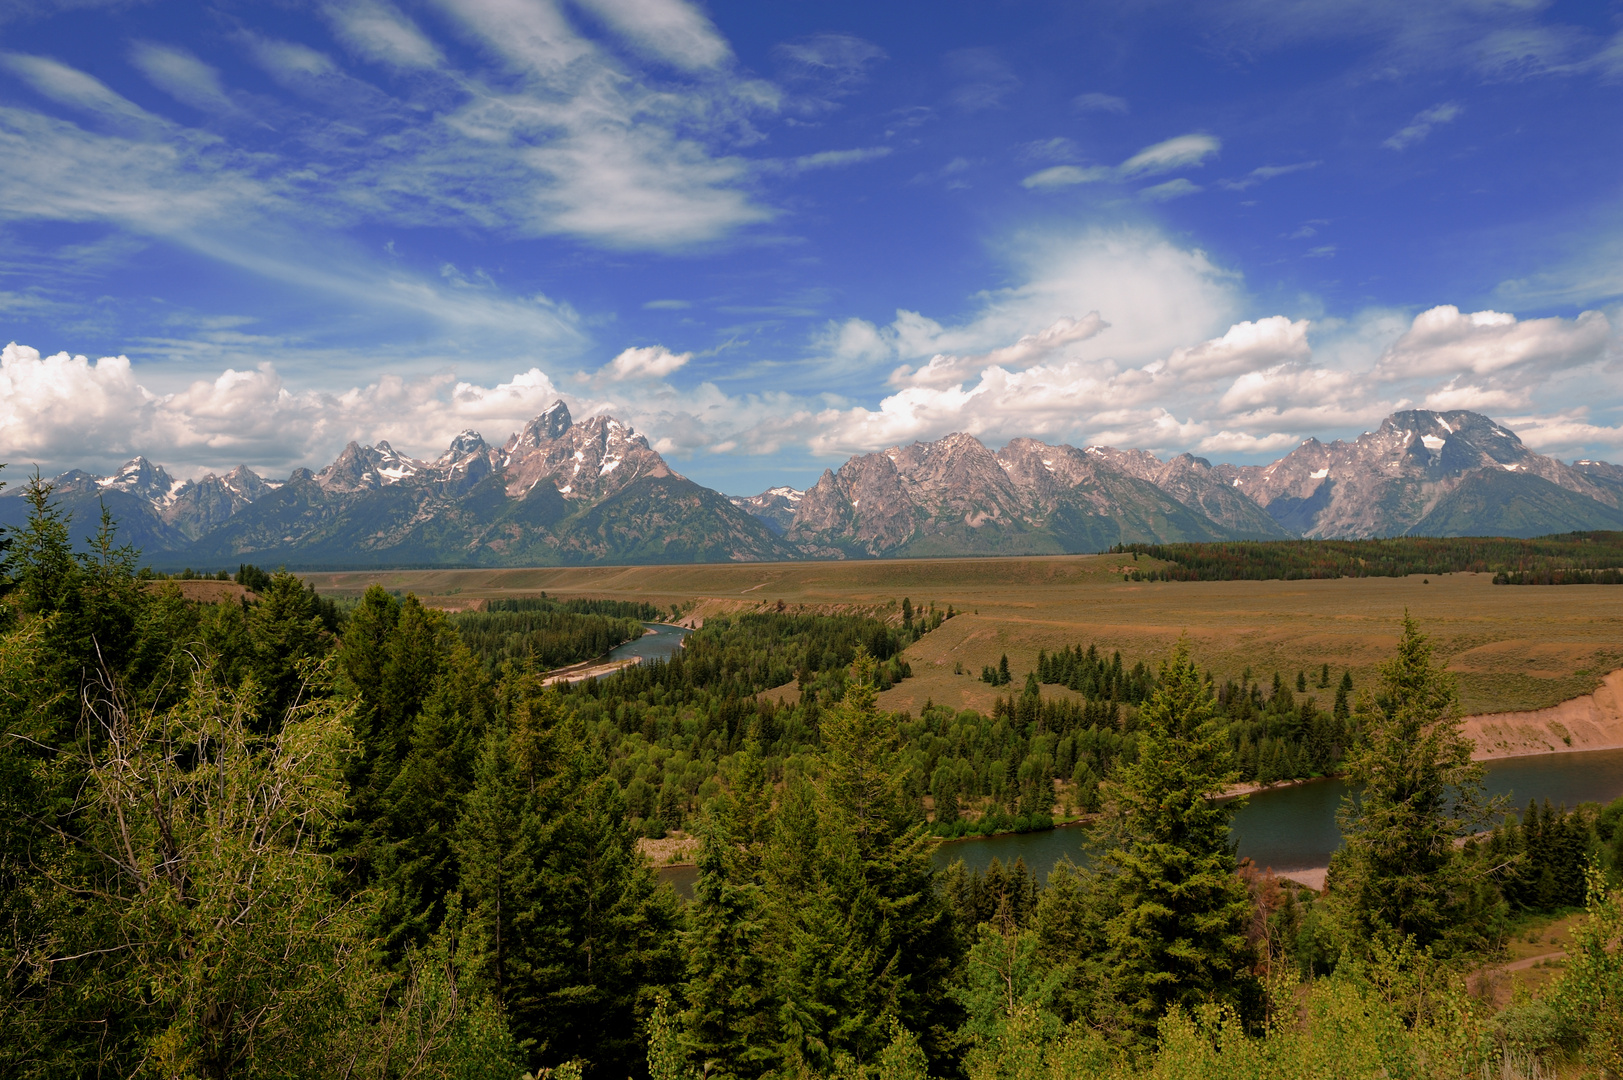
[(1246, 346), (945, 370), (651, 362), (67, 411), (1251, 390), (1417, 129), (1141, 296), (1445, 341)]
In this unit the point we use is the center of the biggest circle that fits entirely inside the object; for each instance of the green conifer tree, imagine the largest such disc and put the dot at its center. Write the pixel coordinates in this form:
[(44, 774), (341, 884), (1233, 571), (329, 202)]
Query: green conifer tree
[(729, 1027), (859, 930), (1179, 934), (1343, 706), (1417, 789)]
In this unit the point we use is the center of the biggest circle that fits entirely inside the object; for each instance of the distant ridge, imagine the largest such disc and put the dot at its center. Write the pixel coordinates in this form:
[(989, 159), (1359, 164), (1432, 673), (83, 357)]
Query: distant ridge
[(565, 493)]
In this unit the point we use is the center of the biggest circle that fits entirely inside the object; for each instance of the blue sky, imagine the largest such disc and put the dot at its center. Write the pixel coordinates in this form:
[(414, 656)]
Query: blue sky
[(771, 235)]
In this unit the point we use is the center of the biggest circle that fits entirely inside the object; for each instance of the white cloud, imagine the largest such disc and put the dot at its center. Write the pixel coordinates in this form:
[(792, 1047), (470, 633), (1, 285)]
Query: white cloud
[(1143, 297), (291, 64), (380, 32), (71, 87), (1096, 102), (945, 370), (826, 159), (1172, 189), (182, 76), (1182, 152), (1565, 430), (1418, 128), (669, 29), (1263, 173), (1246, 346), (1252, 390), (1244, 442), (1066, 176), (1057, 148), (1445, 341), (651, 362), (985, 81)]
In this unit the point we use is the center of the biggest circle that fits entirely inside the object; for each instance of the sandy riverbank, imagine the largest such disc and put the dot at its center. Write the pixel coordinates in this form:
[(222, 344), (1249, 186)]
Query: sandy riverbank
[(1591, 722)]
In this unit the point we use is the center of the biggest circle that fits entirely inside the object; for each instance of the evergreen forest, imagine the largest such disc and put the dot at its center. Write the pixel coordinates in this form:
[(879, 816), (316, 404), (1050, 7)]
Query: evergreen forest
[(285, 837), (1566, 558)]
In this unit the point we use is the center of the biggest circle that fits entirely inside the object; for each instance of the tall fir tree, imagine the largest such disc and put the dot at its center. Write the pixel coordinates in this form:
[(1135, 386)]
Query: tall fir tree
[(1417, 790), (566, 924), (729, 1026), (1178, 935), (859, 932)]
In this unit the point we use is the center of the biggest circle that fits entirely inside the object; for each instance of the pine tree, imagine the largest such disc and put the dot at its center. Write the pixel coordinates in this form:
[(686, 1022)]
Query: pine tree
[(859, 932), (1179, 935), (729, 1026), (1417, 789), (1343, 705), (565, 925)]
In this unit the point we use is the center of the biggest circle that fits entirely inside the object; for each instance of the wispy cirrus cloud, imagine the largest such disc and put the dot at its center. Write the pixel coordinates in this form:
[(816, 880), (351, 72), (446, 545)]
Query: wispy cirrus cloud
[(1425, 120), (1170, 155), (1263, 173), (183, 76)]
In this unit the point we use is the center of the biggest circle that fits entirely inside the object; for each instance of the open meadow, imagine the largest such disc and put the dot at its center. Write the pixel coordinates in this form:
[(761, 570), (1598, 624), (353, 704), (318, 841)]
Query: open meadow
[(1512, 647)]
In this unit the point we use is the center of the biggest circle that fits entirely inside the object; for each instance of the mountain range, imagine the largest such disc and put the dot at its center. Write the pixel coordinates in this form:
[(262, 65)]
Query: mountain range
[(567, 493)]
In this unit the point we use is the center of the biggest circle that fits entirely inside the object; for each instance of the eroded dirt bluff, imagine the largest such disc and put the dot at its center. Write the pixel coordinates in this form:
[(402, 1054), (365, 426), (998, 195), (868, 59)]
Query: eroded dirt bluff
[(1591, 722)]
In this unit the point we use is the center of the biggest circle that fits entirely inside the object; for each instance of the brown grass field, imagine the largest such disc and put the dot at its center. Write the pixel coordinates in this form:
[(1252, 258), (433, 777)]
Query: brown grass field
[(1512, 647)]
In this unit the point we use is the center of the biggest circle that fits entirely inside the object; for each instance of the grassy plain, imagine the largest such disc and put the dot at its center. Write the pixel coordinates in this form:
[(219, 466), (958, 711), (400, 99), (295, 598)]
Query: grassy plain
[(1513, 647)]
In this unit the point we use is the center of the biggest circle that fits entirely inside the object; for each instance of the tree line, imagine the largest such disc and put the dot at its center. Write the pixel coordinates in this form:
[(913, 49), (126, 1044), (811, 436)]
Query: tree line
[(1290, 560), (549, 633)]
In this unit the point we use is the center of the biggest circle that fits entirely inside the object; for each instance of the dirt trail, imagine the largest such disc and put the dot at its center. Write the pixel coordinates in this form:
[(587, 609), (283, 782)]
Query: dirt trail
[(1591, 722)]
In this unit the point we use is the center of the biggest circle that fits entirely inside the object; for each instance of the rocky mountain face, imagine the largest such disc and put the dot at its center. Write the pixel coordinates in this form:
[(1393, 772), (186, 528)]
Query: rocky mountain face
[(562, 493), (555, 493), (956, 497), (775, 507), (1432, 474)]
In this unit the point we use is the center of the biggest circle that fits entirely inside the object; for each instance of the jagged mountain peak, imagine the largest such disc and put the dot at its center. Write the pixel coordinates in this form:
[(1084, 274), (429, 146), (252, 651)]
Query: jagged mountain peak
[(547, 426), (465, 443), (361, 467), (138, 476), (775, 506), (1401, 476)]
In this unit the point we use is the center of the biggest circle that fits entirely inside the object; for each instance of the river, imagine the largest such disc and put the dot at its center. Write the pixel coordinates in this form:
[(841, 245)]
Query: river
[(1294, 828), (659, 645)]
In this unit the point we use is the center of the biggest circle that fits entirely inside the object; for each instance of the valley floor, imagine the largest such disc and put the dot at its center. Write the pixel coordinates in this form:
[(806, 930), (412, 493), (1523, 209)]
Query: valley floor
[(1514, 649)]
